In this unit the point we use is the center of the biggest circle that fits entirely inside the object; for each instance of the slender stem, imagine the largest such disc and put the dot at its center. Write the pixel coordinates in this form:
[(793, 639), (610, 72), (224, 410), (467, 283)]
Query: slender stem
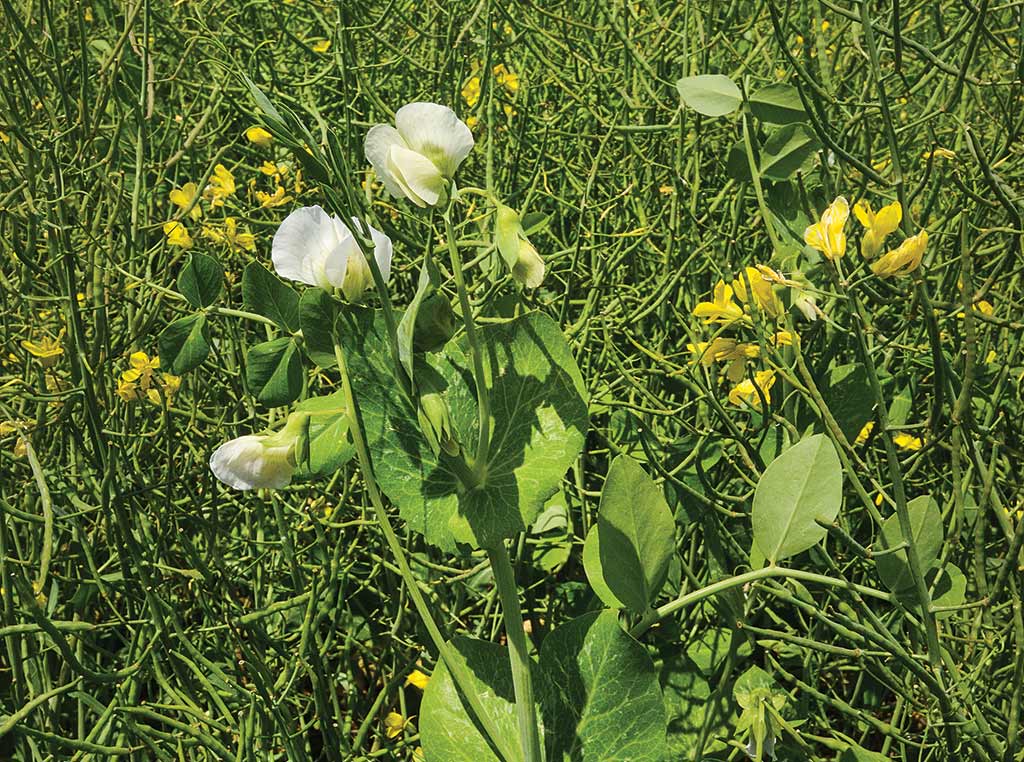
[(518, 653), (483, 400), (456, 668)]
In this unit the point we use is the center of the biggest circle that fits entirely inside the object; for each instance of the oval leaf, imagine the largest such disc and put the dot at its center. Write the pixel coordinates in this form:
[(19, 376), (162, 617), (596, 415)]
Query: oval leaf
[(636, 536), (200, 280), (274, 371), (710, 94), (184, 344), (787, 150), (778, 104), (926, 533), (803, 484), (266, 294), (318, 312)]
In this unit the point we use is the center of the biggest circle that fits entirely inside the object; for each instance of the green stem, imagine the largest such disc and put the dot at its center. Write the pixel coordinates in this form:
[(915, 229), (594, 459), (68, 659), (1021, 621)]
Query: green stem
[(483, 400), (456, 668), (518, 653)]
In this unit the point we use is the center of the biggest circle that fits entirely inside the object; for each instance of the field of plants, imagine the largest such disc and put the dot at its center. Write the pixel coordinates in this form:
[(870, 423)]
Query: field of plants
[(471, 381)]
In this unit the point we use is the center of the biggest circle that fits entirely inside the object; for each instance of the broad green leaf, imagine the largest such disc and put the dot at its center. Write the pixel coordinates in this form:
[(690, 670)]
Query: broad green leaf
[(856, 753), (712, 645), (636, 536), (900, 407), (948, 588), (778, 104), (184, 344), (274, 371), (551, 535), (787, 150), (318, 313), (752, 680), (849, 398), (448, 730), (592, 561), (737, 163), (790, 220), (926, 534), (803, 484), (539, 418), (266, 294), (601, 697), (710, 94), (200, 280), (687, 699), (330, 446)]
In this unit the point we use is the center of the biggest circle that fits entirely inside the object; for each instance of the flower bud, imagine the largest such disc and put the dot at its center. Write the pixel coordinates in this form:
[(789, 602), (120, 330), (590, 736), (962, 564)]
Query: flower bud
[(433, 412), (256, 461), (520, 256), (435, 324)]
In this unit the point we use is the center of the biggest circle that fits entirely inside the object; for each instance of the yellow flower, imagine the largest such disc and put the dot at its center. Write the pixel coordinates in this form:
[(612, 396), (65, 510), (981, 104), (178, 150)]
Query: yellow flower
[(509, 111), (169, 386), (764, 295), (666, 190), (127, 390), (140, 369), (298, 181), (908, 442), (230, 235), (721, 309), (177, 234), (259, 137), (184, 196), (46, 350), (903, 260), (825, 25), (991, 357), (80, 297), (4, 137), (321, 46), (876, 226), (472, 122), (271, 169), (471, 91), (939, 153), (394, 724), (418, 679), (417, 754), (782, 339), (725, 350), (865, 432), (222, 185), (270, 200), (827, 235), (747, 390), (509, 79)]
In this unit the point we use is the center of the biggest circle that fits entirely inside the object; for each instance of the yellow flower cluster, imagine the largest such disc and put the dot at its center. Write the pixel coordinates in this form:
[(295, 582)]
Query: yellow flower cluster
[(46, 350), (141, 380), (473, 87)]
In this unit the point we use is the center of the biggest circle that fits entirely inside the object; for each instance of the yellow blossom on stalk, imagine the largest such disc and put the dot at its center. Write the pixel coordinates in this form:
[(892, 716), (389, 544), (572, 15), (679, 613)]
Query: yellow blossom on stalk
[(782, 339), (184, 197), (394, 724), (903, 260), (259, 137), (270, 200), (418, 679), (141, 369), (865, 432), (221, 185), (764, 295), (940, 153), (991, 357), (907, 441), (127, 390), (298, 181), (509, 111), (982, 306), (230, 235), (177, 234), (876, 226), (47, 351), (507, 78), (666, 190), (472, 122), (271, 169), (721, 309), (321, 46), (725, 350), (169, 385), (827, 235), (747, 391), (471, 91)]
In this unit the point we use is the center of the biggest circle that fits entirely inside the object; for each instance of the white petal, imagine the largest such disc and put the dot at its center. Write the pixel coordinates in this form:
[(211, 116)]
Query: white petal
[(299, 244), (382, 249), (247, 463), (376, 147), (421, 181), (529, 269), (437, 133)]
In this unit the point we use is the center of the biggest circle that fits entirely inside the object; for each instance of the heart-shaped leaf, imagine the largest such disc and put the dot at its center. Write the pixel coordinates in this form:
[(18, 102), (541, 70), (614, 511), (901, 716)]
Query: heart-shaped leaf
[(787, 150), (926, 537), (200, 280), (778, 104), (274, 371)]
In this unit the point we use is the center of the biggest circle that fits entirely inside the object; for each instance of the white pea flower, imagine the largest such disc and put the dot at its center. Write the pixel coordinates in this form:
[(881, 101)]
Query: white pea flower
[(515, 248), (416, 160), (319, 249), (258, 461)]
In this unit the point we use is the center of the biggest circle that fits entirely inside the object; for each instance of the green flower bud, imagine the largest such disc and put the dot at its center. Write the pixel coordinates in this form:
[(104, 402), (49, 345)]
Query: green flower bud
[(520, 256), (435, 324), (434, 415)]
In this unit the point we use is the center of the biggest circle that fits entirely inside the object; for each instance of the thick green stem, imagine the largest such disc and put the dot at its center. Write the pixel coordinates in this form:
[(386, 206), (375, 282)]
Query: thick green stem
[(455, 667), (483, 400), (518, 653)]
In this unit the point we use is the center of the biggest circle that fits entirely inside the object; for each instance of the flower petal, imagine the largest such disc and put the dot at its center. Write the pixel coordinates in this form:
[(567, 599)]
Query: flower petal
[(418, 177), (377, 148), (299, 242), (436, 132), (247, 463)]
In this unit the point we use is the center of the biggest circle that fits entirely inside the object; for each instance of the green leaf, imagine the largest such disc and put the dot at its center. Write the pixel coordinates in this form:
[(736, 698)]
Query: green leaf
[(200, 280), (551, 535), (788, 150), (803, 484), (267, 295), (330, 446), (636, 536), (601, 697), (274, 371), (710, 647), (448, 730), (737, 163), (184, 344), (856, 753), (849, 398), (948, 588), (778, 104), (592, 561), (687, 700), (710, 94), (429, 278), (539, 419), (318, 314), (926, 532)]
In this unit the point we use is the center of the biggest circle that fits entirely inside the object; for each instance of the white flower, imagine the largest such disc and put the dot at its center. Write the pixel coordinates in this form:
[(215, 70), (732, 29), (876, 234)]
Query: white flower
[(258, 461), (319, 249), (416, 160)]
